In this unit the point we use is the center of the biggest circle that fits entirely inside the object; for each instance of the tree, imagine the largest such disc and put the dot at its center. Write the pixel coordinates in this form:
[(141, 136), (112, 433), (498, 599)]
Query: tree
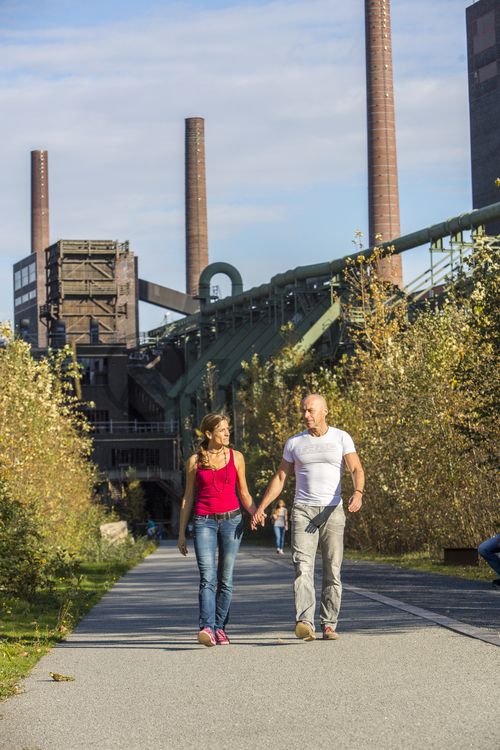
[(419, 394), (45, 468), (134, 498)]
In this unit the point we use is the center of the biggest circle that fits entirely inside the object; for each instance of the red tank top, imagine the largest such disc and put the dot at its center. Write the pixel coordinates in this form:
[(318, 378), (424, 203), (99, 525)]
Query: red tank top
[(216, 489)]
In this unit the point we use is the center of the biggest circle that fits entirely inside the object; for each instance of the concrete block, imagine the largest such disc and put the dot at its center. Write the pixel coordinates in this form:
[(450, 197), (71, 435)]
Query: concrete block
[(114, 532)]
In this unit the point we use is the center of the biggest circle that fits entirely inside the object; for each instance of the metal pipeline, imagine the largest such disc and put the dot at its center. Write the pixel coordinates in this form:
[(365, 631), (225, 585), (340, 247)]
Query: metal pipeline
[(450, 227)]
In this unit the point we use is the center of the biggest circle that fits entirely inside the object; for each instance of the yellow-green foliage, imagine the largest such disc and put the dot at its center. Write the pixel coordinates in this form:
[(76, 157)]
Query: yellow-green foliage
[(270, 412), (45, 466), (420, 400), (134, 498)]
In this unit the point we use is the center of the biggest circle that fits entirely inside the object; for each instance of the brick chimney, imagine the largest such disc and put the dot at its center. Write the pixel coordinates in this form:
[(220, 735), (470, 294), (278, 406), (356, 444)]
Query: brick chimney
[(40, 228), (196, 203), (383, 199), (39, 201)]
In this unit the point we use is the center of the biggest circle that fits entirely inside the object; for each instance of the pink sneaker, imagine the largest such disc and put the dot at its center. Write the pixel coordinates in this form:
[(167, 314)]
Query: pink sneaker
[(329, 634), (206, 637), (221, 638)]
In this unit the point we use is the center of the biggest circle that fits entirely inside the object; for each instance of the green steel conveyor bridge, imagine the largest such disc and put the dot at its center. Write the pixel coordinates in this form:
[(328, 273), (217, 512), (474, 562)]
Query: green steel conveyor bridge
[(214, 341)]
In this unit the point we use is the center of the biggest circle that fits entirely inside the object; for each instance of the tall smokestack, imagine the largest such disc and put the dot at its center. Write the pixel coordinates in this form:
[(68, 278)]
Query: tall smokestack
[(39, 201), (383, 199), (196, 203), (40, 228)]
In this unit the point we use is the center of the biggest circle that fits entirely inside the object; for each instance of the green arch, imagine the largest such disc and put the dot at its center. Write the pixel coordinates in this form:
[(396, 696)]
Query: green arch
[(209, 272)]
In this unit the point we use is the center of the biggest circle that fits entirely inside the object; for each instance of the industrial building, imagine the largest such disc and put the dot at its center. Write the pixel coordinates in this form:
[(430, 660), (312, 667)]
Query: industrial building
[(91, 293), (483, 56)]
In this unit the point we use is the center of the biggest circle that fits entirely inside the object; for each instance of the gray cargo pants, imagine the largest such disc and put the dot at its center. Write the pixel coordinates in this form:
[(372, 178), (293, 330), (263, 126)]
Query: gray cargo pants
[(314, 525)]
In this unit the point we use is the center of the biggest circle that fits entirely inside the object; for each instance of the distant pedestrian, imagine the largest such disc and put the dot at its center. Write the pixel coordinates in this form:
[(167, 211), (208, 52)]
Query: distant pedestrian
[(490, 552), (151, 528), (280, 521), (213, 474), (317, 456)]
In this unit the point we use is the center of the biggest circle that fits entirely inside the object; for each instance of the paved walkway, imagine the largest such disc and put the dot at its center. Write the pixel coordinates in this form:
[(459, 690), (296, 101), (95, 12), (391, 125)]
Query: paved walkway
[(394, 680)]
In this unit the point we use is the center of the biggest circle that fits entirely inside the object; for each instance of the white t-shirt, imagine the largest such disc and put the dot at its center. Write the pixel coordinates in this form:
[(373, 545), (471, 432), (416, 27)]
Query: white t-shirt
[(280, 519), (318, 463)]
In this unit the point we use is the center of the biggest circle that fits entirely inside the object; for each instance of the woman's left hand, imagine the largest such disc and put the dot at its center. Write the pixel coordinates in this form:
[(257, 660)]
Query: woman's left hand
[(259, 518)]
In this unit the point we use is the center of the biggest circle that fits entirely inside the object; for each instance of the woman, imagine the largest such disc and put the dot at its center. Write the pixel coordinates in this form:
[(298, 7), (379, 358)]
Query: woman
[(214, 473), (280, 521)]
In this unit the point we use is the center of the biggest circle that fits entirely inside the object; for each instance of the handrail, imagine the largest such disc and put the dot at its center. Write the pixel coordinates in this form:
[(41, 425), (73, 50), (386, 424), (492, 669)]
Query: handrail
[(169, 427), (428, 272), (151, 473)]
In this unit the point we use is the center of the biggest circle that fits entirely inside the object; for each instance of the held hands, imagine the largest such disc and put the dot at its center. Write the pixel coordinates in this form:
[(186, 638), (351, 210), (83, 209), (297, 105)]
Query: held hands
[(182, 546), (258, 519)]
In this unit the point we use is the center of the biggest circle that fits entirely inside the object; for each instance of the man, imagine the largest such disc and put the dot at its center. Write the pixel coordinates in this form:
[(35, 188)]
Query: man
[(317, 456)]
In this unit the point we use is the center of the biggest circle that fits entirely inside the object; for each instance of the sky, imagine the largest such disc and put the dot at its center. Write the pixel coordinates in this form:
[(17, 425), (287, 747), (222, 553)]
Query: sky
[(105, 86)]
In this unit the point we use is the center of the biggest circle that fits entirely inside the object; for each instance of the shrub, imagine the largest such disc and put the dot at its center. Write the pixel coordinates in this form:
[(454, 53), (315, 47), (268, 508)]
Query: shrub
[(46, 475), (419, 393)]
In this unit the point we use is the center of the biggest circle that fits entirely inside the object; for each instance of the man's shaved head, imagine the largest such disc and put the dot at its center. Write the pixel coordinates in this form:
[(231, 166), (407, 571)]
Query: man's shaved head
[(314, 411), (319, 400)]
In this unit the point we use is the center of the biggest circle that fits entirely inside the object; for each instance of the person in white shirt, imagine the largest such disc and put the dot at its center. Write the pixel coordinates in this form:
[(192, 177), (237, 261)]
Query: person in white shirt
[(317, 456)]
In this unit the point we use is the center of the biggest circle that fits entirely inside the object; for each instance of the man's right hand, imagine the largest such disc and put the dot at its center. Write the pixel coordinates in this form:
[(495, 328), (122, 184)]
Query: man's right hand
[(258, 519), (181, 544)]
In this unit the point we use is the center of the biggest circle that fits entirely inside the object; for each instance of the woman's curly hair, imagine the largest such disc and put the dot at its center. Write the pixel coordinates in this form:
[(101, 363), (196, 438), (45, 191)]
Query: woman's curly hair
[(208, 424)]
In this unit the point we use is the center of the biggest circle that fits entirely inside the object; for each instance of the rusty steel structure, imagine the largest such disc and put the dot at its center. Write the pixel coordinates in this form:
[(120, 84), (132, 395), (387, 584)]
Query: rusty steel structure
[(196, 203), (383, 198), (91, 293), (202, 354)]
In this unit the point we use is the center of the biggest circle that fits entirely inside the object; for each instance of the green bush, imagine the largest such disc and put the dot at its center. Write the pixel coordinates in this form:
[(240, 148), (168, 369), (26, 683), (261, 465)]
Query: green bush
[(27, 563), (100, 550), (21, 554), (419, 393), (47, 513)]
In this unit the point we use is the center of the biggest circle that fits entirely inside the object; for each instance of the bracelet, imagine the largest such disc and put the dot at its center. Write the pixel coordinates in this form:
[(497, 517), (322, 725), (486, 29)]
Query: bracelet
[(359, 491)]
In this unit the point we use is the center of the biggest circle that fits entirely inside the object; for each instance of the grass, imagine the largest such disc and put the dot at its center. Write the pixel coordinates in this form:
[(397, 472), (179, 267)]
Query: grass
[(29, 629), (425, 562)]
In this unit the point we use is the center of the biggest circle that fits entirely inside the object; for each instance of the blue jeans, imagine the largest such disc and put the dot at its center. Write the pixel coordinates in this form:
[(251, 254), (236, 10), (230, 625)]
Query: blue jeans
[(216, 576), (279, 533), (490, 551)]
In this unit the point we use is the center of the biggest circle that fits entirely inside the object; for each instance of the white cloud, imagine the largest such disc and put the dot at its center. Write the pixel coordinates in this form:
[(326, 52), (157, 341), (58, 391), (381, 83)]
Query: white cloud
[(224, 218), (281, 86)]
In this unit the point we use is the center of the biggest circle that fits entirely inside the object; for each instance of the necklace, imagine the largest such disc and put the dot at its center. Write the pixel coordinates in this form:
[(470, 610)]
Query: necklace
[(214, 483)]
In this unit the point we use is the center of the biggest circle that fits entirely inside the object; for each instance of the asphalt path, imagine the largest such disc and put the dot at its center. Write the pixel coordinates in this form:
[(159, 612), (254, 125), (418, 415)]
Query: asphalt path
[(476, 603), (141, 681)]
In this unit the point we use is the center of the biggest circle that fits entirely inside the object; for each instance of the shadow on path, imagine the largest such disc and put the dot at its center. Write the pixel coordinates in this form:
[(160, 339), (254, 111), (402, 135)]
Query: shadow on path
[(155, 606)]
